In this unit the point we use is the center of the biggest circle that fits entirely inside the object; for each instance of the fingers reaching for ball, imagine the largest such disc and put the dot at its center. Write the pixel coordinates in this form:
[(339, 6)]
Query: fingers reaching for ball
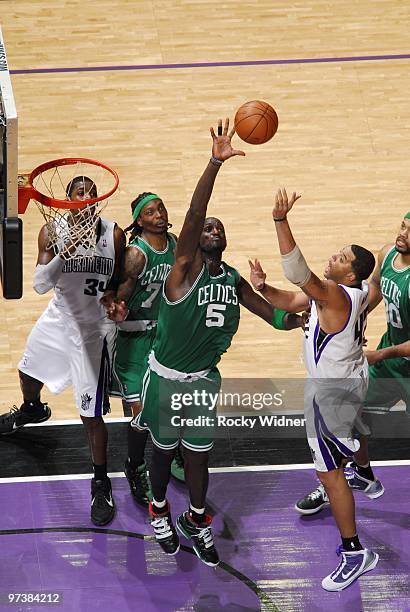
[(283, 203), (221, 145)]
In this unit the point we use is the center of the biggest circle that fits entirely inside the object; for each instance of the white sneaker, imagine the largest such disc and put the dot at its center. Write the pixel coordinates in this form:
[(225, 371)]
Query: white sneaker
[(351, 566)]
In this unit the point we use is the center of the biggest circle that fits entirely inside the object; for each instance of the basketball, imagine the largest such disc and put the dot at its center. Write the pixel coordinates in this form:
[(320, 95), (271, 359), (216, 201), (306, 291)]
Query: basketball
[(256, 122)]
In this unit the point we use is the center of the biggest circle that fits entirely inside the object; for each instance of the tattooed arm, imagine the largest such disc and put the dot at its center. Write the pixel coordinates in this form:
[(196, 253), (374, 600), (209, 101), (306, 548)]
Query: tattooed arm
[(132, 266)]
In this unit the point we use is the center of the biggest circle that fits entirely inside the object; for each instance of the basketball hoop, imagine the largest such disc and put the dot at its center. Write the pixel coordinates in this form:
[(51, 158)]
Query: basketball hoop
[(71, 223)]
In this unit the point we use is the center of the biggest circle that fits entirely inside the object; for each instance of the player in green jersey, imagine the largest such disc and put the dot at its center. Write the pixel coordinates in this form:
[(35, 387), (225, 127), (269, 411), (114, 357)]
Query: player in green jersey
[(390, 362), (389, 371), (147, 262), (198, 317)]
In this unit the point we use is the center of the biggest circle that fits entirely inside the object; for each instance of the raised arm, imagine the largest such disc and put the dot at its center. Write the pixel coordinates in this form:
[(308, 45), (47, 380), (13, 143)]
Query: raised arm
[(188, 260), (326, 292), (292, 301), (278, 318), (375, 293)]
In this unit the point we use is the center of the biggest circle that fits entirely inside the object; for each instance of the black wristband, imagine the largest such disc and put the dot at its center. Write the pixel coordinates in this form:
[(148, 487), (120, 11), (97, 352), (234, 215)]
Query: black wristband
[(279, 220)]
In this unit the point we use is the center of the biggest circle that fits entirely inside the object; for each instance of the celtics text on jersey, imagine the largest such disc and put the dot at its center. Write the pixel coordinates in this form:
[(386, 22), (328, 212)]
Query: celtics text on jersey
[(196, 330)]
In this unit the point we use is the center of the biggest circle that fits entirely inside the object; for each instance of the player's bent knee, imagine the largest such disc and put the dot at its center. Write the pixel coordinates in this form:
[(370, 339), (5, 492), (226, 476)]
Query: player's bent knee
[(331, 478)]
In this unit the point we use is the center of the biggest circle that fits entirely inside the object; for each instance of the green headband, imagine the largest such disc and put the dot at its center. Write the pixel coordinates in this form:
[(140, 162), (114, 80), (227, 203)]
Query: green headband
[(407, 216), (140, 205)]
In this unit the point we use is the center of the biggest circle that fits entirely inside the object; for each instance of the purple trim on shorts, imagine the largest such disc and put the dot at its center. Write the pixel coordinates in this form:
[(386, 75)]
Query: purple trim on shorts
[(328, 338), (320, 427), (326, 454), (103, 379)]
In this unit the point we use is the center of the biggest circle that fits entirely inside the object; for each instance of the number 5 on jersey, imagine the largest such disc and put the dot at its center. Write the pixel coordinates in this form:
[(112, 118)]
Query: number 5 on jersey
[(214, 316)]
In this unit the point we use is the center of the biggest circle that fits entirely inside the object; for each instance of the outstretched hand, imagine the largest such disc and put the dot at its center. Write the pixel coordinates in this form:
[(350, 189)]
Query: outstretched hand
[(115, 310), (258, 276), (283, 204), (221, 146)]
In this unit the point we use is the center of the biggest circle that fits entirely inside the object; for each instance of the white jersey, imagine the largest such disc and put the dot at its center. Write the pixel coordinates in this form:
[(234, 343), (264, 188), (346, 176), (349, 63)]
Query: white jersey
[(338, 355), (84, 279)]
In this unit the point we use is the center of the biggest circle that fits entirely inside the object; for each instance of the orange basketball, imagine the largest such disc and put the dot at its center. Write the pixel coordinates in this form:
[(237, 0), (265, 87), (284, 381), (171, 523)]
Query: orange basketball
[(256, 122)]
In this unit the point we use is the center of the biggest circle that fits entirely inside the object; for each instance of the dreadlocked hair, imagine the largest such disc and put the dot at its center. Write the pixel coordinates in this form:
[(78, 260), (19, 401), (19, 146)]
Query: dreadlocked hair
[(134, 228)]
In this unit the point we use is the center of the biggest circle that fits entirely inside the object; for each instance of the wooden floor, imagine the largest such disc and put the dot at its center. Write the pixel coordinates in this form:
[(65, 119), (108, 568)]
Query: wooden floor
[(344, 129)]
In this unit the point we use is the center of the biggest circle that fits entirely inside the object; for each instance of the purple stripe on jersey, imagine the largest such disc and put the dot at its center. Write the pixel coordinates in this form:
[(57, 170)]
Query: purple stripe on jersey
[(321, 428), (329, 336), (102, 380)]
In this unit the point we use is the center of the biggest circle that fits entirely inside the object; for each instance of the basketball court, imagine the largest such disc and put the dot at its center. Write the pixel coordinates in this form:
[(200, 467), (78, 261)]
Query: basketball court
[(136, 86)]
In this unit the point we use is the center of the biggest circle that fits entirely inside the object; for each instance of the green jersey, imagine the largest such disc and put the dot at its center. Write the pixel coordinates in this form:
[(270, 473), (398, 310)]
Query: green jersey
[(196, 330), (395, 287), (144, 302)]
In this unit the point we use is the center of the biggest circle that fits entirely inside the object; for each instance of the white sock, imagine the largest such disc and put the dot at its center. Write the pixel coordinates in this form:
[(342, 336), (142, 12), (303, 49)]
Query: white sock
[(197, 510), (160, 504)]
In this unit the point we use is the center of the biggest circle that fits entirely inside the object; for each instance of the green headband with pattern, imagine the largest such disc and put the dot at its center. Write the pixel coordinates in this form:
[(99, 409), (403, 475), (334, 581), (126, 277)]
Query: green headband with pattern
[(407, 216), (140, 205)]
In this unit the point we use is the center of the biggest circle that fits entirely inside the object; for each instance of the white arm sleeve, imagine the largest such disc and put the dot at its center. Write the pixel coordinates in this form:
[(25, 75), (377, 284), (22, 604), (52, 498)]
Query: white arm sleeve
[(295, 267), (46, 276)]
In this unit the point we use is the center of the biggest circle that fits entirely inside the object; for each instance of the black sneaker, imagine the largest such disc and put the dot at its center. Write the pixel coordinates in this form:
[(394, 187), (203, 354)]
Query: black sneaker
[(313, 502), (177, 466), (140, 484), (16, 418), (165, 533), (201, 536), (102, 502)]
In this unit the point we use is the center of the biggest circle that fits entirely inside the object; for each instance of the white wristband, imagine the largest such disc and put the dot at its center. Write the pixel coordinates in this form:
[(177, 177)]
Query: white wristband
[(295, 267), (46, 276)]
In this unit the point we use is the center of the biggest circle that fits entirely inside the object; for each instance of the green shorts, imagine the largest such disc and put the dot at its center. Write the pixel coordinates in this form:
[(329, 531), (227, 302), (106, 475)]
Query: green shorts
[(174, 411), (130, 363), (389, 382)]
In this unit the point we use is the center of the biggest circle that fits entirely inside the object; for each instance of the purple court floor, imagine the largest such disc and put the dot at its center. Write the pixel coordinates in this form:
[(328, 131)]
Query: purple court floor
[(273, 559)]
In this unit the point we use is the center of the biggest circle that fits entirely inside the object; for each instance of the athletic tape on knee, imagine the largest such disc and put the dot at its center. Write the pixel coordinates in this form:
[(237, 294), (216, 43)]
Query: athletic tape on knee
[(46, 276), (295, 267)]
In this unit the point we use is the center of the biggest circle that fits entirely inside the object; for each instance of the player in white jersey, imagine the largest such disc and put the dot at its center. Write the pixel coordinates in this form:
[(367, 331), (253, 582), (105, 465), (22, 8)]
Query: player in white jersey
[(72, 342), (337, 371)]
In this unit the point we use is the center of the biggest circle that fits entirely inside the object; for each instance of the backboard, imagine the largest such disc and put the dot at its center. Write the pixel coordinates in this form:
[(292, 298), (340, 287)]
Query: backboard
[(10, 224)]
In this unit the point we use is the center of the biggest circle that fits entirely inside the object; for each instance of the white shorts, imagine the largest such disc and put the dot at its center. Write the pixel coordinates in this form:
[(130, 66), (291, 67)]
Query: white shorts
[(61, 352), (333, 414)]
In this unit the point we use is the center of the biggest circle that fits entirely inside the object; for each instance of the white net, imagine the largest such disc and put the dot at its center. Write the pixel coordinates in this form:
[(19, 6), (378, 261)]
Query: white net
[(73, 232)]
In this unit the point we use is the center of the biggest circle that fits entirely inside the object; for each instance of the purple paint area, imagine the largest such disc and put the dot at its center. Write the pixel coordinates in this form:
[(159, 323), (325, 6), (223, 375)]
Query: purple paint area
[(257, 533), (306, 60)]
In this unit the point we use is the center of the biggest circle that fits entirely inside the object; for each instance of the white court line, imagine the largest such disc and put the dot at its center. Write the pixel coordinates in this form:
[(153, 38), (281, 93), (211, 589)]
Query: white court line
[(77, 422), (218, 470)]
